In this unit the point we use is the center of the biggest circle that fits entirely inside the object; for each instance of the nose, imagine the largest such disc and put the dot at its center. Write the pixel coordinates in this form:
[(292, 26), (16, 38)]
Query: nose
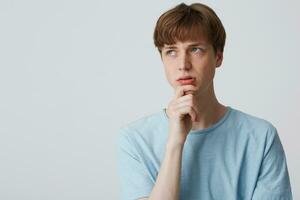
[(184, 62)]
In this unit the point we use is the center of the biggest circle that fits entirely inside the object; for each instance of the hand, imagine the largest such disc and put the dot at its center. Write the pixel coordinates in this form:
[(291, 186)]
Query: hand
[(181, 112)]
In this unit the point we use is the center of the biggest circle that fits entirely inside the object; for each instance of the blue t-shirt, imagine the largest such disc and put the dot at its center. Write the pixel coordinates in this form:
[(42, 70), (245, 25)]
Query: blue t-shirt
[(239, 157)]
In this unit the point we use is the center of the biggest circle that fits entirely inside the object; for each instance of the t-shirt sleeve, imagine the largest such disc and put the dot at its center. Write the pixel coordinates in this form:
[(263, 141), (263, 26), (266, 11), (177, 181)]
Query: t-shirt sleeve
[(273, 181), (135, 183)]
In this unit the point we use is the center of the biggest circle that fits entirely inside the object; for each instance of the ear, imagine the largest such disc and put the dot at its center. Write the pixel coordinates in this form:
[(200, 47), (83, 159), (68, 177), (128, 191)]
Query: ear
[(219, 58)]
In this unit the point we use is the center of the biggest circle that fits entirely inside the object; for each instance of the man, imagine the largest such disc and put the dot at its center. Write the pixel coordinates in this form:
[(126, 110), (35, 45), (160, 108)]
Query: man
[(198, 148)]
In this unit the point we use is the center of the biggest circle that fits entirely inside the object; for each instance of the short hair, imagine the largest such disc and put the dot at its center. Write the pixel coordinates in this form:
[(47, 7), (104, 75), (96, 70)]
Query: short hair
[(184, 22)]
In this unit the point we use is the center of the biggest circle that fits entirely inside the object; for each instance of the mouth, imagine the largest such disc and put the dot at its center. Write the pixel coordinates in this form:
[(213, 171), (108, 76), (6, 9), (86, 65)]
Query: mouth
[(188, 80)]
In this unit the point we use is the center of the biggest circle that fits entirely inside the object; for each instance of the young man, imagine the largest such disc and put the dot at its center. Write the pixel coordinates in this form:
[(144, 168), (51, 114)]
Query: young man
[(197, 148)]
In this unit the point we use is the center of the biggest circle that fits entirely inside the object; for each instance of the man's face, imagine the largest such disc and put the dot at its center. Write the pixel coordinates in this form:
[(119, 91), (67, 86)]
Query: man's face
[(195, 59)]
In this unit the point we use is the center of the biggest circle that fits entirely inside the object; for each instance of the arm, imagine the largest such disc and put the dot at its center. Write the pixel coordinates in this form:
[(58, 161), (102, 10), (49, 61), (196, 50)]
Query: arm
[(135, 182), (181, 113), (168, 180), (273, 181), (134, 177)]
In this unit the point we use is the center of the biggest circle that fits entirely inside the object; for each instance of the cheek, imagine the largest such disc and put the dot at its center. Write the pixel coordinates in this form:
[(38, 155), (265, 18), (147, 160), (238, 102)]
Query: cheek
[(170, 74), (207, 66), (206, 72)]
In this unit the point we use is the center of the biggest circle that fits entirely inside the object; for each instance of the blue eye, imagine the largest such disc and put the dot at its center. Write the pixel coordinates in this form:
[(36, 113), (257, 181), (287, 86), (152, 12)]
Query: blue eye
[(169, 52), (196, 49)]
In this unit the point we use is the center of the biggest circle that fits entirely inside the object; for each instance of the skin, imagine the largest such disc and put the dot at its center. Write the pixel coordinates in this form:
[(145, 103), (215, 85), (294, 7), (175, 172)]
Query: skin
[(192, 107)]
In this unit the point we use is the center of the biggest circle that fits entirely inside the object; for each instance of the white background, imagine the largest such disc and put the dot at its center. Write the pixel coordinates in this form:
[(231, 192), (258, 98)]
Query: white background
[(73, 72)]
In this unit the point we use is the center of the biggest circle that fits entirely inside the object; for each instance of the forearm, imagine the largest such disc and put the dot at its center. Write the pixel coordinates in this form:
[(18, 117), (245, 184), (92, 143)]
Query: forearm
[(167, 184)]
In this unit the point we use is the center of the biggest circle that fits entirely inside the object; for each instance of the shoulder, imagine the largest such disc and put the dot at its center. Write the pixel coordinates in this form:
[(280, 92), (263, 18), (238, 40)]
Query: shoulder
[(250, 121), (143, 123), (143, 127), (260, 129)]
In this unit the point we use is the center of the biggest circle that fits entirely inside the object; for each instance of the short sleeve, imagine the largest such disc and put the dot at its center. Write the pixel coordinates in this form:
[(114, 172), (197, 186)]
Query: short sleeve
[(135, 183), (273, 180)]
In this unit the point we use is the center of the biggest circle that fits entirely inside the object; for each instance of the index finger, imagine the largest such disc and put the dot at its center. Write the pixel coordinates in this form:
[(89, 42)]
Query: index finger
[(180, 90)]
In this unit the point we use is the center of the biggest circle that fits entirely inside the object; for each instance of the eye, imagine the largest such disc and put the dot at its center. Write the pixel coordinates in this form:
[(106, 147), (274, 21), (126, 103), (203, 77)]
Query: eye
[(196, 49), (170, 52)]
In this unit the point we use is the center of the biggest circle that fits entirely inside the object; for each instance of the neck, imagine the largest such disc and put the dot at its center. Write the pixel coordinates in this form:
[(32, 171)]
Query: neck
[(209, 109)]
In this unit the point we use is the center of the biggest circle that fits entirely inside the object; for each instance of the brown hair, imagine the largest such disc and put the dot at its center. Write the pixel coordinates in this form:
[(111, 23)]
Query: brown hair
[(184, 22)]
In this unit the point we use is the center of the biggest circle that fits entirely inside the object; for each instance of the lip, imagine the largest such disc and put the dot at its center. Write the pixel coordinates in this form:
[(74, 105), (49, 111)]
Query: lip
[(186, 80)]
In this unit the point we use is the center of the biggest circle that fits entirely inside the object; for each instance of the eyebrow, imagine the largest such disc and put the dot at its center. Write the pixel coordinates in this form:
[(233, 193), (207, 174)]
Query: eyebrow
[(190, 45)]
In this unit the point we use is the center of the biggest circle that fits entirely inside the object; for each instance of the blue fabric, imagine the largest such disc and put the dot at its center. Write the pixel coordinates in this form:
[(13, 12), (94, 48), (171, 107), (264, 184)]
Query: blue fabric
[(239, 157)]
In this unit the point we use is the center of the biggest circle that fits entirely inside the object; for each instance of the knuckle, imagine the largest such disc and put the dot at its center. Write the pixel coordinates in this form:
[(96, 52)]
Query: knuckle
[(190, 96)]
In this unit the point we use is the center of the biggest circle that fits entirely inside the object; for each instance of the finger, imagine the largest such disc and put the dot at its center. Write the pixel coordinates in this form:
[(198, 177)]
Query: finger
[(179, 106), (189, 92), (187, 110), (188, 97), (180, 90), (187, 100)]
